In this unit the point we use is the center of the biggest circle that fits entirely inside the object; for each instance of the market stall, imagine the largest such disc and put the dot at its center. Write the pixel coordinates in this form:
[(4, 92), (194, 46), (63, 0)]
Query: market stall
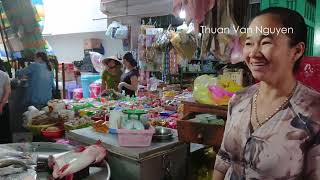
[(149, 136), (177, 114)]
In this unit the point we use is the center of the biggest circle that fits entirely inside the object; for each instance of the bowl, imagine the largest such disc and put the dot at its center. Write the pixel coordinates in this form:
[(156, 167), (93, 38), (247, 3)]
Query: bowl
[(52, 134), (162, 133), (36, 129)]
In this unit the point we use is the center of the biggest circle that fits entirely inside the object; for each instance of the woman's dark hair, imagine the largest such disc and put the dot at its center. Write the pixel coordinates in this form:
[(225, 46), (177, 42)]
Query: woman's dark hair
[(43, 56), (129, 57), (290, 19)]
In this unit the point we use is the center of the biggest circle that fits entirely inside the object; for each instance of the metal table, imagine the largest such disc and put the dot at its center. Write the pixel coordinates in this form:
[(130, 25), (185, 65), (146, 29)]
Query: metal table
[(161, 159)]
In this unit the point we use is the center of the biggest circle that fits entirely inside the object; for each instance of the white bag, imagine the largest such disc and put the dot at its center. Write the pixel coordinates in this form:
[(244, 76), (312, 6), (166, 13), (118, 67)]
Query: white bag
[(121, 32), (112, 29)]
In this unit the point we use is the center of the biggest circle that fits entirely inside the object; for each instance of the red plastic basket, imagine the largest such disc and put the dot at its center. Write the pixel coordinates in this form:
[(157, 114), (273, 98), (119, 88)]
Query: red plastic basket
[(135, 138), (309, 72)]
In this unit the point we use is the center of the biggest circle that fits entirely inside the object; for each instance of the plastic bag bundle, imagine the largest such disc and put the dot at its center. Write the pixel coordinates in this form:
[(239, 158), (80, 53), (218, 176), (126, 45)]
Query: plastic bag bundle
[(122, 32), (184, 43), (117, 31), (112, 29), (210, 90), (162, 41), (223, 91), (227, 46), (201, 91)]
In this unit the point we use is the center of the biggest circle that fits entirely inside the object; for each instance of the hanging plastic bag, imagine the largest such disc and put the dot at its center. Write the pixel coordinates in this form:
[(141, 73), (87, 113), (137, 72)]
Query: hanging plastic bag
[(121, 32), (184, 43), (191, 28), (201, 91), (183, 27), (225, 43), (96, 59), (112, 29), (236, 53), (206, 37), (162, 40)]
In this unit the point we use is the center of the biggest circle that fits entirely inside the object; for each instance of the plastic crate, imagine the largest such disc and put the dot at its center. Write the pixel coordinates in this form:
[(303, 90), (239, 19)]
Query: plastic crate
[(307, 8), (135, 138), (309, 72)]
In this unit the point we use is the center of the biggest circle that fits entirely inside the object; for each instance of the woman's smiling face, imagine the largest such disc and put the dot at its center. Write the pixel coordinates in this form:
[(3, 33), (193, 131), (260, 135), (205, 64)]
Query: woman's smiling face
[(268, 56)]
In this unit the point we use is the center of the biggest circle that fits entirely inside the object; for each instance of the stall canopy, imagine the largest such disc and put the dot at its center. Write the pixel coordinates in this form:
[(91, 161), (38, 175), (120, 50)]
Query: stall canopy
[(140, 8)]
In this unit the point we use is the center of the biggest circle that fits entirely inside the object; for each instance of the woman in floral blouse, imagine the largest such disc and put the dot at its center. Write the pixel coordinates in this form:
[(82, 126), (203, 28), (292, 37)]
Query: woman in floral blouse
[(273, 128)]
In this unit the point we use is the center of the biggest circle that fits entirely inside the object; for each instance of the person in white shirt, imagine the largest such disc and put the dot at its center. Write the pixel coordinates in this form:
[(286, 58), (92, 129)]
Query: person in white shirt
[(5, 90)]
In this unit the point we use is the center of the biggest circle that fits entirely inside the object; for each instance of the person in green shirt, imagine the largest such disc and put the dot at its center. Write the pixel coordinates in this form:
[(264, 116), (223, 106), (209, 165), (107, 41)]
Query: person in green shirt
[(112, 73)]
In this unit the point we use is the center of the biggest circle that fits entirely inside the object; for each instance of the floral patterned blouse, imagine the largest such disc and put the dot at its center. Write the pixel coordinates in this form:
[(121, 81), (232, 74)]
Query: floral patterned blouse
[(285, 147)]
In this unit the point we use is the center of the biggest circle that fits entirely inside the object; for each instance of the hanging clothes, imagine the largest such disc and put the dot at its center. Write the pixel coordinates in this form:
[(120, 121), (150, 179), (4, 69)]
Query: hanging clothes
[(201, 8)]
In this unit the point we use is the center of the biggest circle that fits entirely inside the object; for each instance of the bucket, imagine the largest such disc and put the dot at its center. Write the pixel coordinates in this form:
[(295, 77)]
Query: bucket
[(86, 80), (95, 90), (77, 94)]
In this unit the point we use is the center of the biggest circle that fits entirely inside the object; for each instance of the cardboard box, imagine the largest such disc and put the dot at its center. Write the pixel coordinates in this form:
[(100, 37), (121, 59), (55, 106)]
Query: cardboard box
[(92, 43)]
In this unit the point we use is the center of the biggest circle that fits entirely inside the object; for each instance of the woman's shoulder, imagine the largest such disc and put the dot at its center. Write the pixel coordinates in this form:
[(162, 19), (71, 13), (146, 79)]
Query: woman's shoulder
[(104, 72), (134, 72), (3, 74), (306, 101), (305, 94)]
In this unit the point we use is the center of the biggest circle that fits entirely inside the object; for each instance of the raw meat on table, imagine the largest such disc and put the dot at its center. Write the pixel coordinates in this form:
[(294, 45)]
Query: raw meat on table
[(68, 163)]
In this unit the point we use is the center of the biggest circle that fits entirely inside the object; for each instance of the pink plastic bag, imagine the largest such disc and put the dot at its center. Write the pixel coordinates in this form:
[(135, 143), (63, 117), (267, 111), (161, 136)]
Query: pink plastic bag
[(219, 95)]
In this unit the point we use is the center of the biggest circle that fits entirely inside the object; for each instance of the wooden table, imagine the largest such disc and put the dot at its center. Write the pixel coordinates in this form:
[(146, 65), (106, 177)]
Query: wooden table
[(192, 106), (197, 132)]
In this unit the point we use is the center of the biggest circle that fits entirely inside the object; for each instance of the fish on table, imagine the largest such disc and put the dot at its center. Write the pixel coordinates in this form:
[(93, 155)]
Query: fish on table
[(10, 166)]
